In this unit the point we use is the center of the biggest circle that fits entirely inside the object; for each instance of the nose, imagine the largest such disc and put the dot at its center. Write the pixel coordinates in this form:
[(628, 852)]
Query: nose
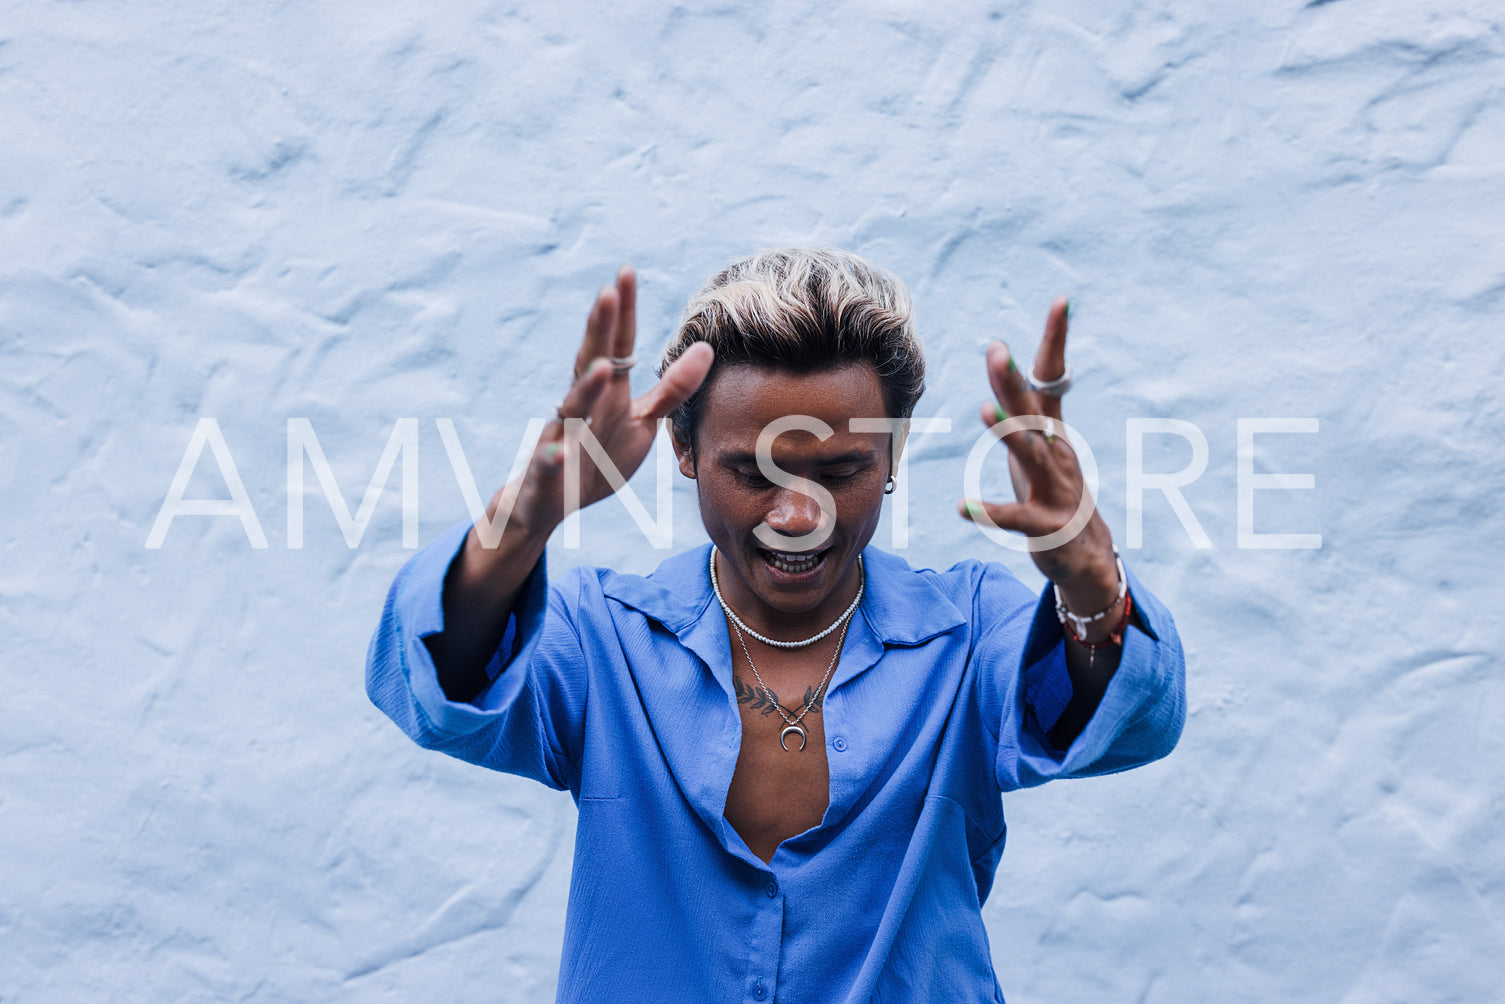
[(795, 514)]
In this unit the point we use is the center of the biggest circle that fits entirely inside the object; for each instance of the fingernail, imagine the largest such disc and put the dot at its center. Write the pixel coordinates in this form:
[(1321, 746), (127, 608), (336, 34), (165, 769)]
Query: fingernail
[(1066, 314), (999, 414), (973, 507), (551, 451), (1012, 367)]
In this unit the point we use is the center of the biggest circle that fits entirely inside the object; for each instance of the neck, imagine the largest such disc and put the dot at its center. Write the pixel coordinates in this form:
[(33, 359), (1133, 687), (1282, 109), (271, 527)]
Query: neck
[(743, 607)]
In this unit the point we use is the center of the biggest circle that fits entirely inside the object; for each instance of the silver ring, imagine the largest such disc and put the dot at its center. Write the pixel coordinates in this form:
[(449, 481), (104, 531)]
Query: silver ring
[(1050, 388), (621, 364)]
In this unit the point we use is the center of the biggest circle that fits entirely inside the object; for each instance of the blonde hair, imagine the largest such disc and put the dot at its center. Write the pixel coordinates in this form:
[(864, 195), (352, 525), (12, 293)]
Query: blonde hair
[(802, 309)]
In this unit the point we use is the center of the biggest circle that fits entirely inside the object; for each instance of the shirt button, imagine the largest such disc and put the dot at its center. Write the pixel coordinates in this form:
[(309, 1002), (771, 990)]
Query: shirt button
[(772, 889), (840, 744), (759, 992)]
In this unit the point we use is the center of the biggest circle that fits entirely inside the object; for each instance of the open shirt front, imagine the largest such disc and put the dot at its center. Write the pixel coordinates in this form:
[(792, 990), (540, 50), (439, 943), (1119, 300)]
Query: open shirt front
[(619, 689)]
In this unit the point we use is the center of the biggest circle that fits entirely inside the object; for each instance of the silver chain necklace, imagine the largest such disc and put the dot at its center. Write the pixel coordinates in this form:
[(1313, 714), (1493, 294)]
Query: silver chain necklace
[(793, 724), (844, 621), (775, 643)]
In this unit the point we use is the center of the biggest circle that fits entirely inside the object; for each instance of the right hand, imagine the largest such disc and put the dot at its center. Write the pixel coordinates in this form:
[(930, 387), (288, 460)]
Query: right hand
[(624, 427)]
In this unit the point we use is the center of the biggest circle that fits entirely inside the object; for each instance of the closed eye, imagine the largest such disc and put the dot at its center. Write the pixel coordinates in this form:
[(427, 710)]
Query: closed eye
[(835, 475)]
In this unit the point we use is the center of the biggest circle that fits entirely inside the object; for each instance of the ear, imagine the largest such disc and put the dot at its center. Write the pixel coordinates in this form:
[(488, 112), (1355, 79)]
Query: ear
[(900, 438), (686, 456)]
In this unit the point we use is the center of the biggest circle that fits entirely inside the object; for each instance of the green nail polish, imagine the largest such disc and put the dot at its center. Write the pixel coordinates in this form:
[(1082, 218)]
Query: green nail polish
[(1012, 367), (973, 507), (551, 451), (1066, 314), (999, 415)]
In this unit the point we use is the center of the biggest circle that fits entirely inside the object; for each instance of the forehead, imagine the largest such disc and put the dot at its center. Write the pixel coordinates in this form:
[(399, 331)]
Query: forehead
[(743, 399)]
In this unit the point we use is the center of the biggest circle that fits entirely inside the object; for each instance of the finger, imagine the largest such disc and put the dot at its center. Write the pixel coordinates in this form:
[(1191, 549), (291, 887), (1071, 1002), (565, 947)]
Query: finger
[(600, 327), (1008, 386), (1013, 398), (1013, 516), (992, 414), (1050, 360), (578, 402), (683, 377), (585, 392), (627, 300)]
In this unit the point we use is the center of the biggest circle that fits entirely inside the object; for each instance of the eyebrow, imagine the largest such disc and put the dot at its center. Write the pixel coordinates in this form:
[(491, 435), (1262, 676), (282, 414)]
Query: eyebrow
[(850, 457)]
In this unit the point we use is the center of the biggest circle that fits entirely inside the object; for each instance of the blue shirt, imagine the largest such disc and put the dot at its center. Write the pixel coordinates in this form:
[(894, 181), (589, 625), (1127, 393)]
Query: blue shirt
[(619, 689)]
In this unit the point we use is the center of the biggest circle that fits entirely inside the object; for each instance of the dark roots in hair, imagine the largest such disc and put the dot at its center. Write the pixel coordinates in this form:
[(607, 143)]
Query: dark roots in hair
[(802, 310)]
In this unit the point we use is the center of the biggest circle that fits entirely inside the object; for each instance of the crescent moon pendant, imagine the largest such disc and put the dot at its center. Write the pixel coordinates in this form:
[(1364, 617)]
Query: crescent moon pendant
[(797, 730)]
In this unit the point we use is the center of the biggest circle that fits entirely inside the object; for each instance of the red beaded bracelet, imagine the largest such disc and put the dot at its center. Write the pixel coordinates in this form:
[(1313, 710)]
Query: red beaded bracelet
[(1116, 638)]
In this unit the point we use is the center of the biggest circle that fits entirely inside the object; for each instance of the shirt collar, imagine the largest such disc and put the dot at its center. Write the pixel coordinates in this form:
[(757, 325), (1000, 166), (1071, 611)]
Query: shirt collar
[(900, 605)]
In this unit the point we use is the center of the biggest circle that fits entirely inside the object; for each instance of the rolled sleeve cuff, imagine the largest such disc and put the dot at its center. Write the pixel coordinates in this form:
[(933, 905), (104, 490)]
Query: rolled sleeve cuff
[(1148, 684), (419, 607), (1047, 682)]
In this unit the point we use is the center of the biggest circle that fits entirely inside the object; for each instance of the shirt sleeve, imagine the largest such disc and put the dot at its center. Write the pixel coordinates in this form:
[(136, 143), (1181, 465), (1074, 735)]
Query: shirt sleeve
[(528, 720), (1139, 718)]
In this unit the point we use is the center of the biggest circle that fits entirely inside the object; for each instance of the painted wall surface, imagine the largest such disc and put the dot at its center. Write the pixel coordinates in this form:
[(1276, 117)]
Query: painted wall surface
[(358, 213)]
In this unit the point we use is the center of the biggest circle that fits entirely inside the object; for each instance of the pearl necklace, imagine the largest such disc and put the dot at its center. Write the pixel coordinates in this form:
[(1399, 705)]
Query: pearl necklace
[(844, 621), (716, 588)]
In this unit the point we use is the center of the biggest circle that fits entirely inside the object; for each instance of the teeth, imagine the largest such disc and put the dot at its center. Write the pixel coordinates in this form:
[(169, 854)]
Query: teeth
[(793, 566)]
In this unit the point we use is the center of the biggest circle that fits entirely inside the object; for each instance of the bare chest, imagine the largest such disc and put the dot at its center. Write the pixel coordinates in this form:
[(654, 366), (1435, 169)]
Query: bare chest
[(778, 792)]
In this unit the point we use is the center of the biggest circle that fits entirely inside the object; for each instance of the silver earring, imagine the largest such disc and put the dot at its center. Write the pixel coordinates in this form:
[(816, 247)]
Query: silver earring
[(888, 486)]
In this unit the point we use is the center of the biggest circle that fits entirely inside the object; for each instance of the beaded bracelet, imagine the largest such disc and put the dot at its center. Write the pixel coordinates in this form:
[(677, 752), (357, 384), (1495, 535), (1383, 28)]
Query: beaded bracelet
[(1081, 623), (1076, 626), (1115, 639)]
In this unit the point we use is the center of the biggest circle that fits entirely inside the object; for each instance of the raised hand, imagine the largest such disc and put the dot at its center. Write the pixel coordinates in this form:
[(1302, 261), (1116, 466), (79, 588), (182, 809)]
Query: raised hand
[(599, 404), (1048, 483), (501, 551)]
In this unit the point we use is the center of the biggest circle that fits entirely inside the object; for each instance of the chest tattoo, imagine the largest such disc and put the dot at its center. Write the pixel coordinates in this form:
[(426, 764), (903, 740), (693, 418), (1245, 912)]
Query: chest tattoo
[(757, 700)]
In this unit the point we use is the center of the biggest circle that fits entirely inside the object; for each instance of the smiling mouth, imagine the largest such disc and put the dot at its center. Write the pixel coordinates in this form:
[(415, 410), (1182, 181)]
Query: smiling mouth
[(793, 564)]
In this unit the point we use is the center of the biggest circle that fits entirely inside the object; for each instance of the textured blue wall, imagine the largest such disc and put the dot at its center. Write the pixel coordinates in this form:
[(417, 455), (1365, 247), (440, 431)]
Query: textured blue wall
[(359, 213)]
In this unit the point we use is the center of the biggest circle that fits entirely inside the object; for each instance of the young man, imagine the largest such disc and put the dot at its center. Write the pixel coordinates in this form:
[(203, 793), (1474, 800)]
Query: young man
[(787, 747)]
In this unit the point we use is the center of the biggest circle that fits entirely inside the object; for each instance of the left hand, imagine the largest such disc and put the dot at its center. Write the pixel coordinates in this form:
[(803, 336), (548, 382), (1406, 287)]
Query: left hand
[(1048, 483)]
